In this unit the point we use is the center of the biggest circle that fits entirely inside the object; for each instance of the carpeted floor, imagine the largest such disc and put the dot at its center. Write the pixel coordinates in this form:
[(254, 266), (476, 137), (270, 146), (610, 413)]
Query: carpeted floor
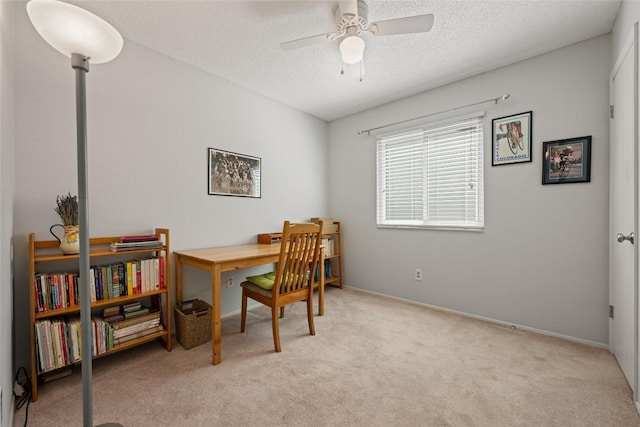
[(374, 362)]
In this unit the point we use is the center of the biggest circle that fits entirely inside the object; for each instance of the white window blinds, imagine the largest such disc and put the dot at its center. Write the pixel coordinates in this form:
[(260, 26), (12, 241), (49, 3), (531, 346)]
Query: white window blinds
[(432, 177)]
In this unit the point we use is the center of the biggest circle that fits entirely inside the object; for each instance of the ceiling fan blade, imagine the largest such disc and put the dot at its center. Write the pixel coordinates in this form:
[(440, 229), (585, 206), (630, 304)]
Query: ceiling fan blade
[(348, 7), (306, 41), (410, 24)]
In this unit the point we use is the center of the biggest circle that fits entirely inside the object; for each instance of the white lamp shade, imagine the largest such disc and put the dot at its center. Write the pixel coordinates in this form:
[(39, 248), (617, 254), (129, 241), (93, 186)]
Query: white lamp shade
[(70, 29), (352, 50)]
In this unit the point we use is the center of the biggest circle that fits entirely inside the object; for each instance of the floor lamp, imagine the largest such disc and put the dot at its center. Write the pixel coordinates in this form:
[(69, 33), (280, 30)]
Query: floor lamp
[(82, 36)]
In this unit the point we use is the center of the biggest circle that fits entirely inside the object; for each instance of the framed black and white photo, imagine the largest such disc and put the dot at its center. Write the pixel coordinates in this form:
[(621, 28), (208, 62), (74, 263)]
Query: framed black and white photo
[(233, 174), (566, 160), (511, 139)]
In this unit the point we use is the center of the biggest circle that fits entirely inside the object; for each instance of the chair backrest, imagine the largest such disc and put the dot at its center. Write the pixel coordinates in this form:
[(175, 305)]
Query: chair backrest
[(299, 257)]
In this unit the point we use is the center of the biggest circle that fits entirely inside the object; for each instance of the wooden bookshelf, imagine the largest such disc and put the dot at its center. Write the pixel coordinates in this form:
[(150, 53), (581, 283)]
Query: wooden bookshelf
[(45, 254), (332, 231)]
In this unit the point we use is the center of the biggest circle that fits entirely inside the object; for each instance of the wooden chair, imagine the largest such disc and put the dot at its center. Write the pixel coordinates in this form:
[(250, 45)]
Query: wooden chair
[(293, 281)]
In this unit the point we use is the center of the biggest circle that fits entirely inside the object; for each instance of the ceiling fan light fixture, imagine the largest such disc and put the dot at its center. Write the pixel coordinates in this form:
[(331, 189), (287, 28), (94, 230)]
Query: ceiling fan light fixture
[(352, 50)]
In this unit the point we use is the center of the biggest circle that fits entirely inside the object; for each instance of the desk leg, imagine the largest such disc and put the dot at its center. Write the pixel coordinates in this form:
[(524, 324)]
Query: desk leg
[(178, 279), (321, 285), (215, 318)]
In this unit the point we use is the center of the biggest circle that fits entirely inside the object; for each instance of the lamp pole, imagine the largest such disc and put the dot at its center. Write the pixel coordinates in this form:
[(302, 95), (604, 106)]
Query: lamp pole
[(80, 64), (80, 35)]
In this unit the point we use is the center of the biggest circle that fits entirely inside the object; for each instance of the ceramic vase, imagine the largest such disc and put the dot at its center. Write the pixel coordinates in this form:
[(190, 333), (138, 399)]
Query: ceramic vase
[(69, 242)]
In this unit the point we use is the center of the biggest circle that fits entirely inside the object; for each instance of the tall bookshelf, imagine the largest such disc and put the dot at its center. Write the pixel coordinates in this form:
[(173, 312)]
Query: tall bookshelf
[(45, 256)]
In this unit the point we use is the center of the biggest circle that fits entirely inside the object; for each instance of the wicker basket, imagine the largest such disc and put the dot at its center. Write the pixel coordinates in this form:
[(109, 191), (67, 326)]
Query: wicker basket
[(193, 323)]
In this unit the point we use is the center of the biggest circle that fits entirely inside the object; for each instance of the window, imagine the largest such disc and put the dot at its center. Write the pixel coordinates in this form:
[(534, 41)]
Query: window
[(432, 177)]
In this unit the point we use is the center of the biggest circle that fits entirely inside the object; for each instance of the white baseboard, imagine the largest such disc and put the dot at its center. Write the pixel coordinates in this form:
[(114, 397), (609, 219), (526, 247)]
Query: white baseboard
[(488, 319)]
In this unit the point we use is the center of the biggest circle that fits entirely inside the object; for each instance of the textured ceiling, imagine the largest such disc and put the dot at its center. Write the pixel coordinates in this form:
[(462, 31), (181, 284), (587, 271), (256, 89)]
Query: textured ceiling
[(239, 42)]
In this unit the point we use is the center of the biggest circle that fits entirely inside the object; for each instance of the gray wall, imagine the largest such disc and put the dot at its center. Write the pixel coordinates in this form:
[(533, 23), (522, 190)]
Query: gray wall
[(7, 184), (542, 260), (150, 121)]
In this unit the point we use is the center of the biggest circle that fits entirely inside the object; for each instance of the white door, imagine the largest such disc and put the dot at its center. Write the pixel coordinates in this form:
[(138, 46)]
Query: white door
[(623, 212)]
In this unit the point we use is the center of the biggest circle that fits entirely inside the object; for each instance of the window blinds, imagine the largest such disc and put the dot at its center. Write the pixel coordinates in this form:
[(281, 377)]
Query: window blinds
[(432, 176)]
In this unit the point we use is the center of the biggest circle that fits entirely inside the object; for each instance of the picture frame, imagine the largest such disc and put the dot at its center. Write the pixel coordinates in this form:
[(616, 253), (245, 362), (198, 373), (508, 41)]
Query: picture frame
[(511, 139), (566, 161), (233, 174)]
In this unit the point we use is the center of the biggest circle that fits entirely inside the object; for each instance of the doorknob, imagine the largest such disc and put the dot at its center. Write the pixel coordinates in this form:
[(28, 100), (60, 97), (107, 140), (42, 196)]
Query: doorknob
[(621, 237)]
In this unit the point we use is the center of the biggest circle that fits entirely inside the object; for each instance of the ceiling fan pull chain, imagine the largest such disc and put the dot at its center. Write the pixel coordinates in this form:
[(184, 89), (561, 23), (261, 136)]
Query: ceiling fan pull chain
[(361, 70)]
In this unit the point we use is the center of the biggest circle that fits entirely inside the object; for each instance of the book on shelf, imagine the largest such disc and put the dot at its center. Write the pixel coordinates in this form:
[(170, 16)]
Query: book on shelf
[(131, 306), (72, 289), (138, 238), (109, 311), (104, 282), (92, 289), (132, 246), (138, 327), (125, 323), (137, 313), (122, 273), (138, 335), (113, 317), (129, 278), (161, 270), (139, 276)]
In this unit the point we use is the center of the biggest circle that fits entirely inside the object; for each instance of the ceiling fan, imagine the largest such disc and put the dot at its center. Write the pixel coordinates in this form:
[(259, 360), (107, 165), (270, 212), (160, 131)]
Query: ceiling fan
[(352, 22)]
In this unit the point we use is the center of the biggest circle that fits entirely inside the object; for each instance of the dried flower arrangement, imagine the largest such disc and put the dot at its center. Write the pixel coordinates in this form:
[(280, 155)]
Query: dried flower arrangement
[(67, 208)]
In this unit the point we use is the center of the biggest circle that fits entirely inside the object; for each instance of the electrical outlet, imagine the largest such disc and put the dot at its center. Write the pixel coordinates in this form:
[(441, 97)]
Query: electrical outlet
[(418, 275), (230, 282)]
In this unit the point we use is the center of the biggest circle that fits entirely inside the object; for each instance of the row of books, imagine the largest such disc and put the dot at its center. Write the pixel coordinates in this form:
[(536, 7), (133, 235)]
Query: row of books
[(328, 246), (59, 340), (327, 271), (60, 290)]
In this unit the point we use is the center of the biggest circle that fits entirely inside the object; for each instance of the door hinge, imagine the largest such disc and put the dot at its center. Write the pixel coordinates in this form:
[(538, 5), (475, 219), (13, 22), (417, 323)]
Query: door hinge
[(611, 111), (611, 312)]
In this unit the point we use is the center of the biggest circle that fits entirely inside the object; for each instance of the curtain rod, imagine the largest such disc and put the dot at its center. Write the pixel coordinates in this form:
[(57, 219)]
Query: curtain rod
[(494, 100)]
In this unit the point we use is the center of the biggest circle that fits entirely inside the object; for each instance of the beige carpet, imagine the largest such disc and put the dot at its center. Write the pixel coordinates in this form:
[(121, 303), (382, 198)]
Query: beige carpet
[(374, 362)]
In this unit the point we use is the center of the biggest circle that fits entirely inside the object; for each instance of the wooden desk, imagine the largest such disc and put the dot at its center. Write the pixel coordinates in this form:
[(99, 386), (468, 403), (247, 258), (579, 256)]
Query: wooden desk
[(228, 258)]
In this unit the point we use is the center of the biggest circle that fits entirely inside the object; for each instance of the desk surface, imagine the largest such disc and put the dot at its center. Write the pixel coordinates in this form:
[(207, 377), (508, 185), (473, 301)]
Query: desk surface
[(231, 253)]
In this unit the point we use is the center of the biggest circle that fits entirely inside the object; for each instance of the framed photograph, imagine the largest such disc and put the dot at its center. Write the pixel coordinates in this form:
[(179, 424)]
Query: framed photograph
[(233, 174), (511, 139), (566, 160)]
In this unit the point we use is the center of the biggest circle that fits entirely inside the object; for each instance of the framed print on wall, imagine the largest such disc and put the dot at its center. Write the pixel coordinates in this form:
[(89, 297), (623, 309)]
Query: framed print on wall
[(511, 139), (233, 174), (566, 160)]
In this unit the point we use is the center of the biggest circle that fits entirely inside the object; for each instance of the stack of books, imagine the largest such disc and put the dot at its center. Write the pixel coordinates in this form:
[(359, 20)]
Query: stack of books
[(136, 322), (136, 242)]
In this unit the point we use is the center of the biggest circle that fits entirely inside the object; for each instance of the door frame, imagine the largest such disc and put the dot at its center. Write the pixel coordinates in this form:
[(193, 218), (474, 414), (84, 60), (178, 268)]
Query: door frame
[(631, 44)]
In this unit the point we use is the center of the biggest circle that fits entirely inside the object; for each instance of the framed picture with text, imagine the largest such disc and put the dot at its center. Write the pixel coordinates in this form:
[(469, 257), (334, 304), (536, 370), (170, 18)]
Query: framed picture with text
[(511, 139), (566, 160), (233, 174)]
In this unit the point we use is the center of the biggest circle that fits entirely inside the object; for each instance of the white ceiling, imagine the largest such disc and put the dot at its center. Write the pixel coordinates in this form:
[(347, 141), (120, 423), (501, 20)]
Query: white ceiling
[(239, 42)]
